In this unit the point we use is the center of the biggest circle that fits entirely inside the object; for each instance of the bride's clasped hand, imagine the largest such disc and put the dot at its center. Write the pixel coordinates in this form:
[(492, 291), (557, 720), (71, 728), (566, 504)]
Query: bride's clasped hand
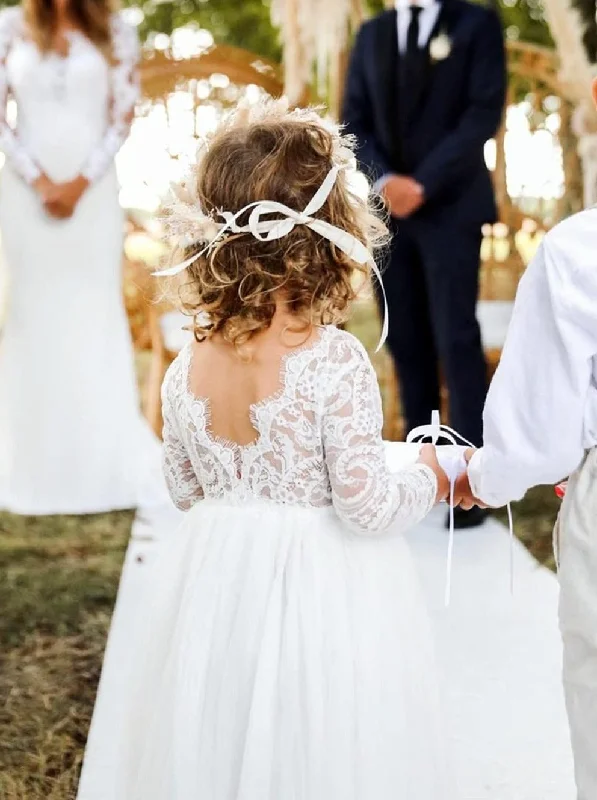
[(60, 200)]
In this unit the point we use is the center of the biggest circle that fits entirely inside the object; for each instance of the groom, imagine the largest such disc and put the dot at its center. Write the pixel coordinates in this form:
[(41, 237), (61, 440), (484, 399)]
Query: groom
[(425, 90)]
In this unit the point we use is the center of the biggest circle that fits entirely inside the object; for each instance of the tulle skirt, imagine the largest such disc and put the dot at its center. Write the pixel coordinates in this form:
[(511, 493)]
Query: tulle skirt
[(280, 657)]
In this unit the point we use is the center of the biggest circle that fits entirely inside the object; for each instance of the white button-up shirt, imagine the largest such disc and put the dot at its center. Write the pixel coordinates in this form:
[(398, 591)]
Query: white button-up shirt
[(427, 20), (541, 410)]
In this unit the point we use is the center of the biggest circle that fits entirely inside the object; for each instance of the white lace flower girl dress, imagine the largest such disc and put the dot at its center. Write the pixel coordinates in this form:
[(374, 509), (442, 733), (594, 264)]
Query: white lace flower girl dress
[(286, 653)]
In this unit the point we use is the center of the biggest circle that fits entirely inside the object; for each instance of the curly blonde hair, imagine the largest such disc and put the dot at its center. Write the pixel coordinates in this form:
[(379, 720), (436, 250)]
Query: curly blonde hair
[(233, 288)]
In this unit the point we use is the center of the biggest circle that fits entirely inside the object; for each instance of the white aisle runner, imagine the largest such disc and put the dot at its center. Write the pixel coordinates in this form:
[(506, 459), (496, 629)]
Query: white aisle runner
[(500, 659)]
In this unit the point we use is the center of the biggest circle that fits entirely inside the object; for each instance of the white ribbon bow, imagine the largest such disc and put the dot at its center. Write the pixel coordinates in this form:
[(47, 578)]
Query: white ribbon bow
[(268, 230)]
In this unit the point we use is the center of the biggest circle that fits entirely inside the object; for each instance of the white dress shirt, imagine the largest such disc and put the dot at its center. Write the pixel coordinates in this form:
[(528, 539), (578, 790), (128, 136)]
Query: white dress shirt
[(427, 20), (541, 410)]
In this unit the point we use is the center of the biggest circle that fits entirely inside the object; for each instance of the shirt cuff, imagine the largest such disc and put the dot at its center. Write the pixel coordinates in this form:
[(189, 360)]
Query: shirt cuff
[(30, 172), (474, 473), (381, 182), (477, 472)]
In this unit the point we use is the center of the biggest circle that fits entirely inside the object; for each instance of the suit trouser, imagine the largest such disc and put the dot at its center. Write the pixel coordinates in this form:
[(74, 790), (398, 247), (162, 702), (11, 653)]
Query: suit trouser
[(432, 285), (576, 540)]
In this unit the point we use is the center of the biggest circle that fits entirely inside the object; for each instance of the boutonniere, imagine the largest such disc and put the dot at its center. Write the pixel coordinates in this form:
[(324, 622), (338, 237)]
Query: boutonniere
[(440, 47)]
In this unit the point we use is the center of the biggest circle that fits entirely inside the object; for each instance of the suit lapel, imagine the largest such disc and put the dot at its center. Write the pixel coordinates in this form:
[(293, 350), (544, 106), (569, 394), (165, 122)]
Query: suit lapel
[(444, 24), (441, 23), (387, 57), (401, 102)]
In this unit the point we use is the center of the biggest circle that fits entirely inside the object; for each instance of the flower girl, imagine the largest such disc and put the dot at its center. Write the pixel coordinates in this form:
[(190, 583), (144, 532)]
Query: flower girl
[(286, 654)]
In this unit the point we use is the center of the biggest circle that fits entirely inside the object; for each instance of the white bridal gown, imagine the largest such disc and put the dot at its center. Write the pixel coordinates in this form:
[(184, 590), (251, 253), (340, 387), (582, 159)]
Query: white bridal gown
[(71, 436), (285, 652)]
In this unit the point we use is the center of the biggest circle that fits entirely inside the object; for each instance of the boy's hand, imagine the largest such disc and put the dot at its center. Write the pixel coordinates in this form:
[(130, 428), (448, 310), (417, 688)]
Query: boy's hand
[(463, 495)]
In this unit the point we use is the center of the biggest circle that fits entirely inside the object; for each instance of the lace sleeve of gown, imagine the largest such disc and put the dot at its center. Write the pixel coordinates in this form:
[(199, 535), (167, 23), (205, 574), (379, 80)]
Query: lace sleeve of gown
[(366, 495), (181, 478), (124, 93), (10, 143)]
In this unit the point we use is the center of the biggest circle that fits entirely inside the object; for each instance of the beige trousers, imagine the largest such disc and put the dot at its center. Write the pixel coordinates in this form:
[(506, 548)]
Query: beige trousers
[(576, 550)]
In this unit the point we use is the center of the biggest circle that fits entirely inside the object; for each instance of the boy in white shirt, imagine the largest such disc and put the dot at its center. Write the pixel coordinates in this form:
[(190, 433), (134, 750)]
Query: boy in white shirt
[(540, 425)]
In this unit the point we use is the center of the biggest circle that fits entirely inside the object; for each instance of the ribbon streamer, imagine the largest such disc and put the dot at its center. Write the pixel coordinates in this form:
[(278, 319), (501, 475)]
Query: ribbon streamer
[(433, 432), (267, 230)]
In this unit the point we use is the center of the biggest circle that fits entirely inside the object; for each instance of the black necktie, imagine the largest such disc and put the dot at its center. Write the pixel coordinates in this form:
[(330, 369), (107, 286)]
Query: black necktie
[(411, 79), (412, 38)]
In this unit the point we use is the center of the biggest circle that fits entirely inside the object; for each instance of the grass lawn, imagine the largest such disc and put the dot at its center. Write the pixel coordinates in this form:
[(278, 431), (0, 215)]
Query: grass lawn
[(58, 584), (57, 587)]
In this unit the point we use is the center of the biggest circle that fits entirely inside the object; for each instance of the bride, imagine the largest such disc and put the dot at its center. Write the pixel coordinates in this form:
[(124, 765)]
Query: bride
[(72, 440)]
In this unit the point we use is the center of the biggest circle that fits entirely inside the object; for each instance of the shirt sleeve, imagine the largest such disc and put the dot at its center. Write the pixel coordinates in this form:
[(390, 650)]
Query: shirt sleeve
[(366, 495), (10, 144), (124, 93), (534, 415), (379, 184)]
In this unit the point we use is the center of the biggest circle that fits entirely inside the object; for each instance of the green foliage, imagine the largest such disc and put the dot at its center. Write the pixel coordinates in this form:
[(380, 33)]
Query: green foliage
[(525, 20), (243, 23)]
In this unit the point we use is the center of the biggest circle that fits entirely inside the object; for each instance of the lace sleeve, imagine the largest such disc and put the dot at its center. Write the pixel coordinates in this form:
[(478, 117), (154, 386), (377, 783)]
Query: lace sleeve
[(366, 495), (181, 478), (10, 144), (124, 89)]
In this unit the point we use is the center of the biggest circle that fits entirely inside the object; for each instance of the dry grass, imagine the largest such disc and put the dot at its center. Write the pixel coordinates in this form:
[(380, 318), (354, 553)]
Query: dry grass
[(534, 520), (59, 579)]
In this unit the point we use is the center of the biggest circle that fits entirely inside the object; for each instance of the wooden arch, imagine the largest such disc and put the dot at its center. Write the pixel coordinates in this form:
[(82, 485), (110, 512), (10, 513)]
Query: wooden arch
[(162, 72)]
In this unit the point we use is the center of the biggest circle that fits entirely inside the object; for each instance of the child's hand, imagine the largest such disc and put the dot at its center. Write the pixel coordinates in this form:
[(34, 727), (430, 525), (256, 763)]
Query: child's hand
[(428, 457), (463, 494)]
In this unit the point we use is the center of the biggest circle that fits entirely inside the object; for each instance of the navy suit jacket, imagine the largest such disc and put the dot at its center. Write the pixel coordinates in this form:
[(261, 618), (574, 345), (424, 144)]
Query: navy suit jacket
[(454, 109)]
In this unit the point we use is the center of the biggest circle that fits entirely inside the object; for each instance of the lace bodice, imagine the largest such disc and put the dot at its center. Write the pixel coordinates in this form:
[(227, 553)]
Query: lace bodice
[(318, 442), (74, 112)]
